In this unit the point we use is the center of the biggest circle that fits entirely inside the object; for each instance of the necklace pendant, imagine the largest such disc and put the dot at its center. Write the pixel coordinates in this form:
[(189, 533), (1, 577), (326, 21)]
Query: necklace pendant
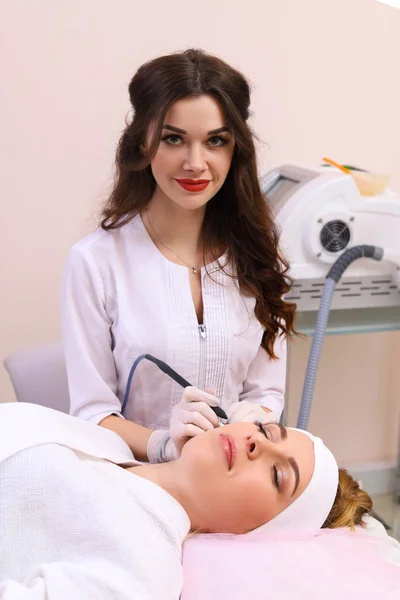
[(194, 269)]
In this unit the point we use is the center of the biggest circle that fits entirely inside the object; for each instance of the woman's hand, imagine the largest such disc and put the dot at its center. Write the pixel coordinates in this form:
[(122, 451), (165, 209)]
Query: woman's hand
[(192, 415), (249, 412)]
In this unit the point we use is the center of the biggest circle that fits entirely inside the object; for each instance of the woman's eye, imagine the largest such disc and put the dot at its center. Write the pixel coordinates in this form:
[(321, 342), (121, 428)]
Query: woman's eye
[(173, 140), (277, 479), (217, 140), (263, 430)]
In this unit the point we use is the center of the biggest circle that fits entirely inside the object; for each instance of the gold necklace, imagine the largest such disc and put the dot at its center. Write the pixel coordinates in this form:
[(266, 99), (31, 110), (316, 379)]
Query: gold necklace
[(193, 267)]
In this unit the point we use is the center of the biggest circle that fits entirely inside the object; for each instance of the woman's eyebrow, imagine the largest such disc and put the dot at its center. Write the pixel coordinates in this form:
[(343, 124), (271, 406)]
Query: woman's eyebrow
[(296, 471), (283, 431), (220, 130), (183, 132), (176, 129)]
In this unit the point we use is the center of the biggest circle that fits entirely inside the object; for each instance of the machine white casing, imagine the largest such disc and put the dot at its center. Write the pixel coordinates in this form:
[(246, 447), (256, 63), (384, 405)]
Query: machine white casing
[(310, 203)]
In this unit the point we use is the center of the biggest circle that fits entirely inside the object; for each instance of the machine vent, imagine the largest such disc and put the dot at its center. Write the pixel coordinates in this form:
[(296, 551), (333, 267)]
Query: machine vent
[(370, 291), (335, 236)]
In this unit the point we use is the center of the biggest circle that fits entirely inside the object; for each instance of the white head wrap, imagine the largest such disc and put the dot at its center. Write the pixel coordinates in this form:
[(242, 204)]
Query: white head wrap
[(310, 510)]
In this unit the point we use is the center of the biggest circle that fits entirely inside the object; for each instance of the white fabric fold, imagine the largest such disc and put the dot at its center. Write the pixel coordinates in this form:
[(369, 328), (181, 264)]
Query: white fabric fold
[(73, 524)]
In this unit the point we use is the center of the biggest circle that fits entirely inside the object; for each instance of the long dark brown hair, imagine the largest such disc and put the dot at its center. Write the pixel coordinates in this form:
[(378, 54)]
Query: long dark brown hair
[(237, 218)]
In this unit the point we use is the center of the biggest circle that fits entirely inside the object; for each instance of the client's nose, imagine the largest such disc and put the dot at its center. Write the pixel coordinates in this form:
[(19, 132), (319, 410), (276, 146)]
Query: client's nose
[(257, 445)]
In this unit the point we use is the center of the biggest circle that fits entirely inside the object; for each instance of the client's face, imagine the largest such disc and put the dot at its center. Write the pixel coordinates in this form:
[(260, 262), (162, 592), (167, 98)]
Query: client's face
[(243, 475)]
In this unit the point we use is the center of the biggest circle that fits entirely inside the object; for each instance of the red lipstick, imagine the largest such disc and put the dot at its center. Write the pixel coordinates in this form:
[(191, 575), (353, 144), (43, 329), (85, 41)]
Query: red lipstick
[(228, 445), (193, 185)]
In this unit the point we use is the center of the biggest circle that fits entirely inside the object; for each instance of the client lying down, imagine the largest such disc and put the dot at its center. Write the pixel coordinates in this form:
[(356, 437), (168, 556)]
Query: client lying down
[(81, 519)]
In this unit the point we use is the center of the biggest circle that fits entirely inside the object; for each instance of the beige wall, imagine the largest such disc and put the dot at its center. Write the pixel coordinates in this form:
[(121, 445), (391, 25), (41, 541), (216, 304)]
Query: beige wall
[(326, 82)]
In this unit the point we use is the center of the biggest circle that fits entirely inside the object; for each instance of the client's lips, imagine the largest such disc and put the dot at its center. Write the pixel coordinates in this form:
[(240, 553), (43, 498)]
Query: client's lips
[(229, 447), (193, 185)]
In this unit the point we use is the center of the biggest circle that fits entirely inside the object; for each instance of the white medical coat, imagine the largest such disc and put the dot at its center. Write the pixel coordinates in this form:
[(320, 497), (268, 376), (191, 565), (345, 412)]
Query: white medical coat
[(122, 298)]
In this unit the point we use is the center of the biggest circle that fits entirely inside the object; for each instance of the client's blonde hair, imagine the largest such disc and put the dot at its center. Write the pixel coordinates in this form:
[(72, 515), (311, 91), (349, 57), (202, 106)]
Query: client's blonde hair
[(350, 506)]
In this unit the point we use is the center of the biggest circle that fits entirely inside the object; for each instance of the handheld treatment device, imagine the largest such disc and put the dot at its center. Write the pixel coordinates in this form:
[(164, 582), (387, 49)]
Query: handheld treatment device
[(171, 373)]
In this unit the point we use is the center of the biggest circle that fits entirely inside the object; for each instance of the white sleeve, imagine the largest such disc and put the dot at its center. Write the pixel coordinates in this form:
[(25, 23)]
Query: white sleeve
[(266, 378), (76, 581), (92, 378)]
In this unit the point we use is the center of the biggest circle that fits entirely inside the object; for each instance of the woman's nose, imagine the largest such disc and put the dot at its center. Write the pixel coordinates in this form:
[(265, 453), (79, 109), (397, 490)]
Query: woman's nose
[(254, 446), (195, 160), (257, 445)]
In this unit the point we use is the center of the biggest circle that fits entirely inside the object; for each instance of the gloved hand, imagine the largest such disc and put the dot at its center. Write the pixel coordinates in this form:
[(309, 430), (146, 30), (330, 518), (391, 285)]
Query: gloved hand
[(191, 416), (249, 412)]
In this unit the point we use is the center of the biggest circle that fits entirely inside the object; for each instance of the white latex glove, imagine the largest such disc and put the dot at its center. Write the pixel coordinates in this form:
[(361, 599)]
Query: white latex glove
[(191, 416), (249, 412)]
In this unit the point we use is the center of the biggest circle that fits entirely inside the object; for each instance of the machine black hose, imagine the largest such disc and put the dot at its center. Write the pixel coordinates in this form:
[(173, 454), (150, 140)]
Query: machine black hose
[(171, 373)]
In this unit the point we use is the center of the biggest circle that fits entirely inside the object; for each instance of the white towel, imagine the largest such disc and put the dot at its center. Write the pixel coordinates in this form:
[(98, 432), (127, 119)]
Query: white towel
[(76, 526)]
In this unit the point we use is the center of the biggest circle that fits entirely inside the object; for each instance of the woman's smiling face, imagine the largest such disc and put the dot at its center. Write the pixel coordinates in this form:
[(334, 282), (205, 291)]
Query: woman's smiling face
[(245, 474), (195, 152)]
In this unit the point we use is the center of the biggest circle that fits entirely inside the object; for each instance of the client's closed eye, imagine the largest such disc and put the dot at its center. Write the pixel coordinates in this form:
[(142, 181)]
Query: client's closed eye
[(263, 429), (276, 473), (273, 431)]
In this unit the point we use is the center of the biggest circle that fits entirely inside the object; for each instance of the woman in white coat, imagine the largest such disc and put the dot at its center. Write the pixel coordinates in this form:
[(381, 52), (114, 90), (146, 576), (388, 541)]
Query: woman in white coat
[(185, 266)]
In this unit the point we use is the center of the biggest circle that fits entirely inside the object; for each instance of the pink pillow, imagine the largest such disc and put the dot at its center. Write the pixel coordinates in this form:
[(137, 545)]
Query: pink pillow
[(329, 564)]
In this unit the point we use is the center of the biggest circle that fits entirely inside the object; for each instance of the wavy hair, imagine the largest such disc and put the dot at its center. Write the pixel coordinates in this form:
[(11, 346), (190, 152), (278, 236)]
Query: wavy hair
[(351, 504), (238, 218)]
